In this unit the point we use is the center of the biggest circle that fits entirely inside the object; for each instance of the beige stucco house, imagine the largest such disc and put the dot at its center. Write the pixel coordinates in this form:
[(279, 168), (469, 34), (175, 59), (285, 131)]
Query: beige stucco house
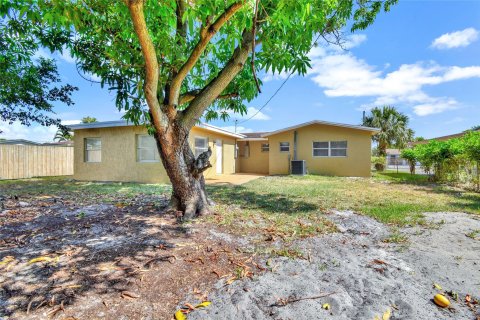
[(118, 151)]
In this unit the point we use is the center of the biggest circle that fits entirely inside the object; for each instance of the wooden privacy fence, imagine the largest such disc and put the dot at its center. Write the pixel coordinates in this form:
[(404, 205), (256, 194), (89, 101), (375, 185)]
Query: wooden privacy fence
[(25, 161)]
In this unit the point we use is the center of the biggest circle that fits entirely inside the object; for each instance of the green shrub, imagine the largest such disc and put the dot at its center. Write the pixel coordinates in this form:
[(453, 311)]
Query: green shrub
[(379, 163), (455, 160)]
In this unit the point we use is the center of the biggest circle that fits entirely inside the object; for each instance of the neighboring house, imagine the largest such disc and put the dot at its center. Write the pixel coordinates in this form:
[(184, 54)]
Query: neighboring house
[(442, 138), (394, 159), (118, 151)]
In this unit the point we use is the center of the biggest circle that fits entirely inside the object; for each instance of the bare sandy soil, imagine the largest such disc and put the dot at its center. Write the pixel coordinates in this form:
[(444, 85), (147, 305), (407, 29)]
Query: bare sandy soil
[(61, 258), (362, 277)]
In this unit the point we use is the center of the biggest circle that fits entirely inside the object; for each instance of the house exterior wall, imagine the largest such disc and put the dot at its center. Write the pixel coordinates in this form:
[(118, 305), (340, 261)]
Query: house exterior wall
[(356, 163), (119, 155), (257, 161)]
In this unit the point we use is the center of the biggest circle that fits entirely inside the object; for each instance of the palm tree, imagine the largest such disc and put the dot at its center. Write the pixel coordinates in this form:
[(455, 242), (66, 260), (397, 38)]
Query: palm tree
[(62, 135), (393, 125)]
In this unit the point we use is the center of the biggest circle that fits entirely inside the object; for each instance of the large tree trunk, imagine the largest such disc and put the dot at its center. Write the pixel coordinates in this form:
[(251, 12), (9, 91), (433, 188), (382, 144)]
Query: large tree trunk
[(185, 173)]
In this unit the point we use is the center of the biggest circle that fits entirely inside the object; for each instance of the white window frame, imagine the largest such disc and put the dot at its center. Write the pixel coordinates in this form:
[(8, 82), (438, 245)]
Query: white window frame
[(265, 147), (327, 148), (330, 149), (199, 149), (86, 150), (156, 153), (280, 146)]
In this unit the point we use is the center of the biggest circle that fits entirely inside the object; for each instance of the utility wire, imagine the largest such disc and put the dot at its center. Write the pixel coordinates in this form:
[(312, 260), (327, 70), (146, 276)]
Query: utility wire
[(276, 91)]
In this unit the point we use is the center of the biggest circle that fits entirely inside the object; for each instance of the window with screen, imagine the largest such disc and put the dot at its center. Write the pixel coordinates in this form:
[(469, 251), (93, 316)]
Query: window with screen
[(329, 149), (338, 148), (93, 150), (320, 149), (147, 149), (284, 146), (265, 147), (201, 145)]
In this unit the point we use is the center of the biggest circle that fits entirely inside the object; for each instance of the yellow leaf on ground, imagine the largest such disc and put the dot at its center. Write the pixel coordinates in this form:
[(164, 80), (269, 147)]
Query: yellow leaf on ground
[(203, 304), (437, 286), (179, 315), (326, 306), (7, 260), (387, 314), (40, 259)]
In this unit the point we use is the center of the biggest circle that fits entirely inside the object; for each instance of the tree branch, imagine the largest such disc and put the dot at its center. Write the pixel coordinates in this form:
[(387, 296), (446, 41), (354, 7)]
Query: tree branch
[(151, 63), (254, 30), (208, 94), (189, 96), (206, 34)]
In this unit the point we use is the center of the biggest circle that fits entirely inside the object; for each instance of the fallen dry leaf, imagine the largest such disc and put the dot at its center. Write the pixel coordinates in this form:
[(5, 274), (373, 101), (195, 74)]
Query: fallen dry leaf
[(129, 295)]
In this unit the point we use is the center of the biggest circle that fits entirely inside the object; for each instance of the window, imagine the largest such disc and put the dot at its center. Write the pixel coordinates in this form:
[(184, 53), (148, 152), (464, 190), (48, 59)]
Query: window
[(330, 149), (201, 145), (265, 147), (147, 150), (93, 150), (338, 148), (320, 149), (284, 146), (246, 151)]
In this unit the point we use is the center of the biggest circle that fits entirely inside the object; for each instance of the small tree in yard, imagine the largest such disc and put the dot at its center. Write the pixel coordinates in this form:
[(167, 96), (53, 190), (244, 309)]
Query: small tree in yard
[(411, 156), (191, 59)]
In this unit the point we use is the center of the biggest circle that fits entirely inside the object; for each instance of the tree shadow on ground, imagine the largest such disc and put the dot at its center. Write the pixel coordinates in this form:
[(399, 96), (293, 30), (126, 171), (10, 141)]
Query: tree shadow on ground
[(57, 253), (265, 201)]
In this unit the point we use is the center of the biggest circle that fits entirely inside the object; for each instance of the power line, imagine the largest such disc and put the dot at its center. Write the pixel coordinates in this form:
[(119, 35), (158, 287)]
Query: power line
[(270, 99), (276, 91)]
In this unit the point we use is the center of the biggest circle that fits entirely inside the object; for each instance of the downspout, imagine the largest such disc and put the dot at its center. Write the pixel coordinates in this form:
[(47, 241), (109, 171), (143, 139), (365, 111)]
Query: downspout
[(295, 145)]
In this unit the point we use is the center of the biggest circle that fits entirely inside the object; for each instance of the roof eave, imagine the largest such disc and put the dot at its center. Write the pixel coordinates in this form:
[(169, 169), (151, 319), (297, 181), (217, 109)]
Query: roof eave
[(340, 125)]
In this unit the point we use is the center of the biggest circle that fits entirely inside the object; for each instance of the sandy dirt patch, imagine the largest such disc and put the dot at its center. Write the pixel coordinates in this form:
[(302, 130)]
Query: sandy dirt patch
[(62, 257), (364, 276)]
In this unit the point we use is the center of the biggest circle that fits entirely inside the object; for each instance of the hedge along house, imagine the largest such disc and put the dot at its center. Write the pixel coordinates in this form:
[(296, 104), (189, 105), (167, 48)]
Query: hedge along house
[(118, 151)]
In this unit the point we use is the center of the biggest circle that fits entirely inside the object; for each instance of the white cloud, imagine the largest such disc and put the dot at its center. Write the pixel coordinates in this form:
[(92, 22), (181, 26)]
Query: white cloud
[(35, 132), (66, 56), (275, 76), (456, 39), (344, 75), (239, 129), (435, 106), (353, 40), (252, 113)]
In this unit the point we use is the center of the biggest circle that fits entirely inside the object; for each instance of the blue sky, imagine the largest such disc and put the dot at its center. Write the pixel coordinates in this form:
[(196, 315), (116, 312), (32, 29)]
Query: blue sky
[(422, 57)]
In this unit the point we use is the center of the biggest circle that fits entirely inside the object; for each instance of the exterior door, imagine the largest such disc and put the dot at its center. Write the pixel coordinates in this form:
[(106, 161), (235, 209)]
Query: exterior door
[(219, 155)]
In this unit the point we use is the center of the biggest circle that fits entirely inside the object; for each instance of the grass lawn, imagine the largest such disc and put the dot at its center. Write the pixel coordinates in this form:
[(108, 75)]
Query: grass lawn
[(289, 206), (295, 205)]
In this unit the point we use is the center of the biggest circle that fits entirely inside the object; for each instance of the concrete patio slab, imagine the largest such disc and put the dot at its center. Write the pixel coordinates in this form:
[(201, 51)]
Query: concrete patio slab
[(233, 179)]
